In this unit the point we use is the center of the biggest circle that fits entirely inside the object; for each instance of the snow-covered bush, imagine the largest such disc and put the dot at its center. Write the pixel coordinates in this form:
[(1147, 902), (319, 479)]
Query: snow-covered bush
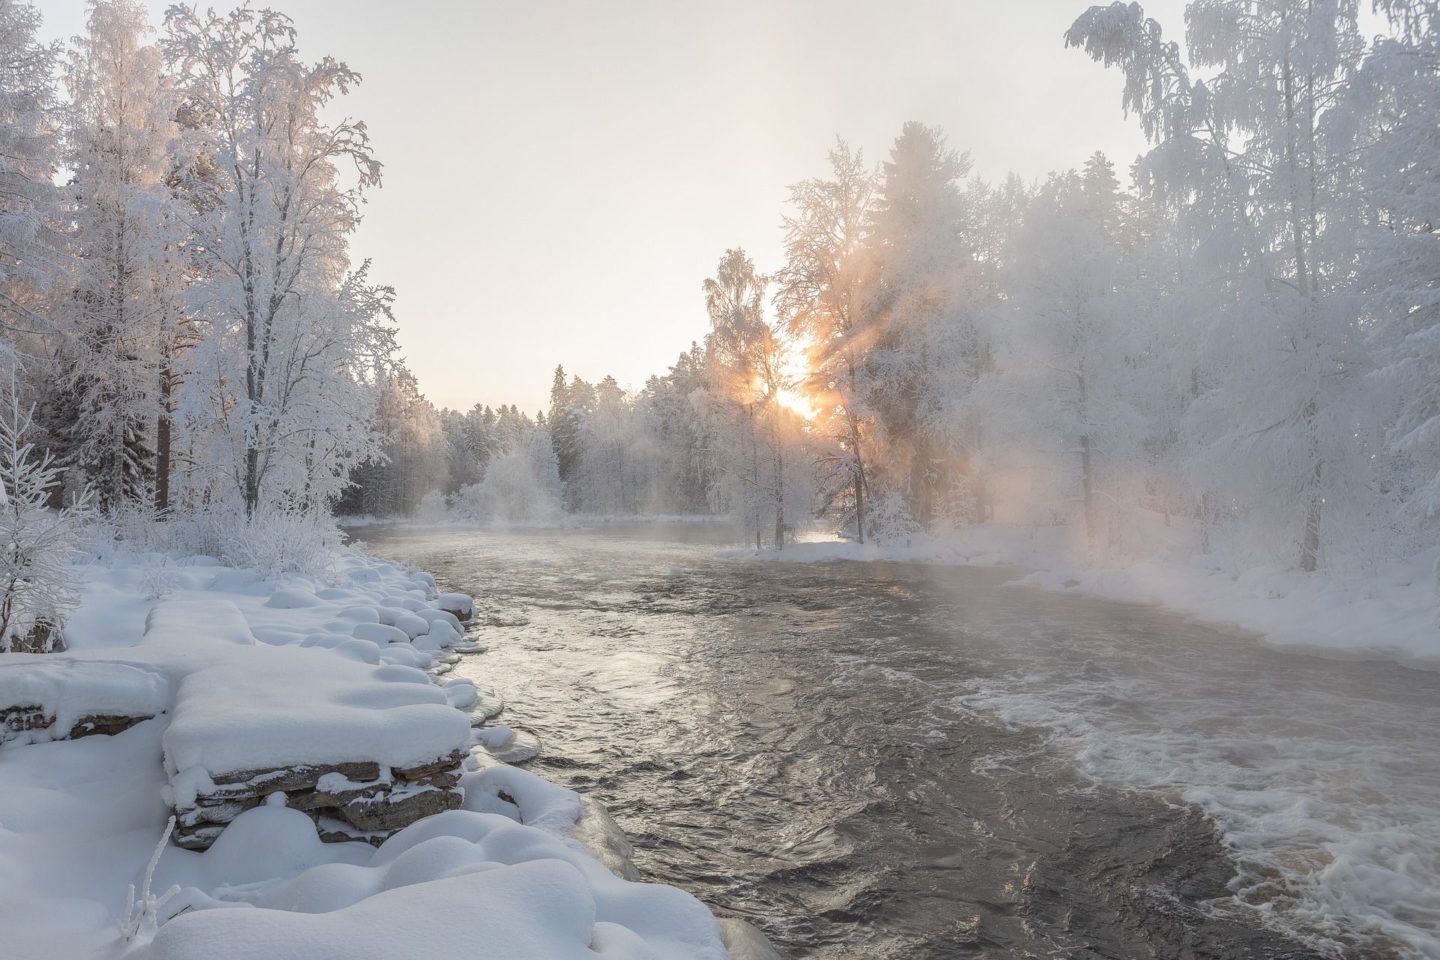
[(38, 544), (273, 542), (521, 486), (432, 508), (890, 520)]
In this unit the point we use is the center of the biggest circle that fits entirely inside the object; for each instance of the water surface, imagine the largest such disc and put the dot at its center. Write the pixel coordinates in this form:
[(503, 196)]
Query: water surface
[(895, 760)]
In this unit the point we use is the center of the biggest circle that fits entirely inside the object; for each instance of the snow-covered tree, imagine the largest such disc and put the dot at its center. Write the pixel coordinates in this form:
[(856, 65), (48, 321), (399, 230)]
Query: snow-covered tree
[(920, 328), (127, 232), (747, 362), (1398, 94), (564, 423), (1061, 394), (521, 485), (288, 338), (30, 256), (1245, 157), (412, 456), (820, 298)]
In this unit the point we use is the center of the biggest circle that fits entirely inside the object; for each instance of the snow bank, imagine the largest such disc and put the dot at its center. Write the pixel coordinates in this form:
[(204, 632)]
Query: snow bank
[(284, 706), (43, 697), (278, 717), (540, 898), (276, 713)]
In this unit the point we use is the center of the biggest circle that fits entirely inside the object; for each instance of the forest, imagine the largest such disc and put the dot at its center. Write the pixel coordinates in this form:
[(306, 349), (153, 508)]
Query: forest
[(1240, 338)]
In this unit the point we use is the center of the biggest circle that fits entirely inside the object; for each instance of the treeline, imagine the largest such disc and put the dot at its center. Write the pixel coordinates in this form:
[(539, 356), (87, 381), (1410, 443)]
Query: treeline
[(1240, 342), (597, 450), (179, 307)]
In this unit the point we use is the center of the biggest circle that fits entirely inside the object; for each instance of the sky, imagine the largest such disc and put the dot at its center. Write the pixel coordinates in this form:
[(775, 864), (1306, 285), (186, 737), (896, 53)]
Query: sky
[(560, 177)]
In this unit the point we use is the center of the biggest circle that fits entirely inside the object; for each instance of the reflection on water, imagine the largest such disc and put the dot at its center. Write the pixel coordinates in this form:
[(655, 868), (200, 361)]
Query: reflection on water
[(876, 760)]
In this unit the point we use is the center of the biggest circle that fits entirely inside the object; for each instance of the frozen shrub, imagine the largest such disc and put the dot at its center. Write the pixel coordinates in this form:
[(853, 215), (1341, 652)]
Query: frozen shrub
[(274, 541), (890, 520), (521, 486), (38, 544), (432, 508)]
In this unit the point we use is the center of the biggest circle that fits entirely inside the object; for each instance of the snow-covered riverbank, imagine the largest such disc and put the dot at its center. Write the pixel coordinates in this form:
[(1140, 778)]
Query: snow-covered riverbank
[(353, 662), (1387, 609)]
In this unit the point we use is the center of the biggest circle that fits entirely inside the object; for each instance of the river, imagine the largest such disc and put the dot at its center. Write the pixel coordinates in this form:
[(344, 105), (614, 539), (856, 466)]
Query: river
[(874, 760)]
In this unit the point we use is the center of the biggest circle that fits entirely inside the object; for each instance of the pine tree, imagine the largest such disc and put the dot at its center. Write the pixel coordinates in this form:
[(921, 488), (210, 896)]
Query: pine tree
[(919, 318)]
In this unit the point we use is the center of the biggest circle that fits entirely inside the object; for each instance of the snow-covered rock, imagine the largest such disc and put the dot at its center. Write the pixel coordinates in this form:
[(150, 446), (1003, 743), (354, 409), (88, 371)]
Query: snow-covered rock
[(43, 697), (459, 604)]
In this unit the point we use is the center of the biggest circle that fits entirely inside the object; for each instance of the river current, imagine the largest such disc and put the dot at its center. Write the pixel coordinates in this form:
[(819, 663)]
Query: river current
[(874, 760)]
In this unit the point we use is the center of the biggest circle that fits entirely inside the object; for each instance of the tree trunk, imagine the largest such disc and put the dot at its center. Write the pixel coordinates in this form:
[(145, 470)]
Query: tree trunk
[(252, 479), (1301, 225), (1205, 522), (859, 506), (162, 444), (779, 485)]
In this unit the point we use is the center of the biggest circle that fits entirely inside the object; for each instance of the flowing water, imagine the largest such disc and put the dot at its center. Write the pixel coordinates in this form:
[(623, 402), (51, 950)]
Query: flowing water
[(892, 760)]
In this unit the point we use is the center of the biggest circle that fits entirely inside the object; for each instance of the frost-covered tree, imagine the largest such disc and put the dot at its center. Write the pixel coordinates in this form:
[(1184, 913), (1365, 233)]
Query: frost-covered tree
[(1061, 396), (1244, 156), (30, 257), (521, 485), (127, 231), (288, 338), (1397, 93), (412, 456), (820, 298), (920, 328), (671, 407), (564, 424), (747, 362)]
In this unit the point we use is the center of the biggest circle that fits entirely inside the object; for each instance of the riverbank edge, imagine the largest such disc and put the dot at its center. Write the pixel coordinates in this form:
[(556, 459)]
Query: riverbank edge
[(113, 609)]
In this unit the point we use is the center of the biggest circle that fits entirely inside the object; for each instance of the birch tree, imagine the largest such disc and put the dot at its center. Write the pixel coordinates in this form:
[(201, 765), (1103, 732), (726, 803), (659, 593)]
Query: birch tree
[(273, 239), (127, 234)]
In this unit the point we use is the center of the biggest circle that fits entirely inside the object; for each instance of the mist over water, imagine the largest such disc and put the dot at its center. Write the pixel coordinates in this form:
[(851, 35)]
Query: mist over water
[(884, 760)]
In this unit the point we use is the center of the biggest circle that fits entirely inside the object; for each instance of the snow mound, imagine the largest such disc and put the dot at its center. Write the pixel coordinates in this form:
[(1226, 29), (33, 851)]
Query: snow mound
[(544, 899), (459, 604), (282, 706)]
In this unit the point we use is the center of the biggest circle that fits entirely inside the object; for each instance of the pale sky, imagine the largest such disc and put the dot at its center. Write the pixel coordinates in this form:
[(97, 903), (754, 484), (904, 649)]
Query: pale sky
[(560, 177)]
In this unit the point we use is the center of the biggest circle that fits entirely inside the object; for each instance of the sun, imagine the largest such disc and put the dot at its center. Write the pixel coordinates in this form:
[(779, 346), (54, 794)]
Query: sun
[(796, 402), (796, 372)]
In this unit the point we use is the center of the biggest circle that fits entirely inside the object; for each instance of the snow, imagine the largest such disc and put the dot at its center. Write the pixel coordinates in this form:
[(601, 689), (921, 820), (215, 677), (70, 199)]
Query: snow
[(381, 633), (458, 604), (539, 899), (255, 673), (285, 706), (1386, 610), (69, 690)]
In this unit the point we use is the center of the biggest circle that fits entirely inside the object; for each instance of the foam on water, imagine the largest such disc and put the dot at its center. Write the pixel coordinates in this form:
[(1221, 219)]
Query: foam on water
[(1328, 802)]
